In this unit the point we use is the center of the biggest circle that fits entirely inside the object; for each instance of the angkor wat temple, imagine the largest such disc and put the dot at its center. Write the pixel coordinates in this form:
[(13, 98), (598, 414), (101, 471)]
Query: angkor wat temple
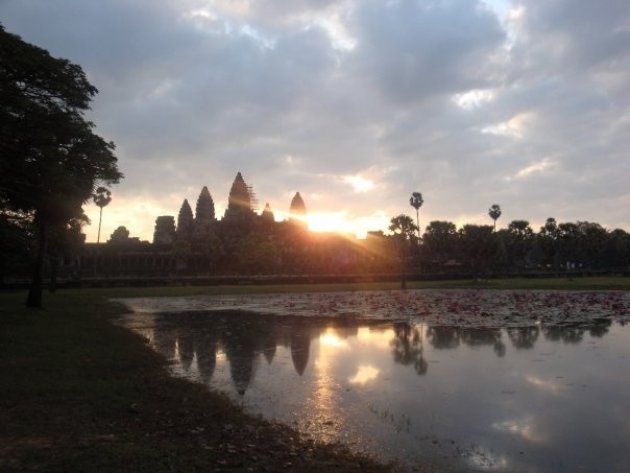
[(239, 220), (242, 242)]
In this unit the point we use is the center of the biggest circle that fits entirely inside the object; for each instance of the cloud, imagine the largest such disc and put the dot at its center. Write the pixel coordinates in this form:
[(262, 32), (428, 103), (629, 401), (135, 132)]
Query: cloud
[(448, 97), (537, 167), (414, 50)]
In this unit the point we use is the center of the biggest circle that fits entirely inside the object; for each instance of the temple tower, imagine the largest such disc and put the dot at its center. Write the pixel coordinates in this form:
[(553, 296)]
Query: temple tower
[(297, 209), (164, 233), (204, 214), (239, 213), (267, 221), (239, 200), (267, 215), (185, 221)]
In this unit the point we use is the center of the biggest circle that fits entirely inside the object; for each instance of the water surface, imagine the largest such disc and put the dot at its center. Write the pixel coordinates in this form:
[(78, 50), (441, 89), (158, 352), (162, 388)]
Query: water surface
[(537, 398)]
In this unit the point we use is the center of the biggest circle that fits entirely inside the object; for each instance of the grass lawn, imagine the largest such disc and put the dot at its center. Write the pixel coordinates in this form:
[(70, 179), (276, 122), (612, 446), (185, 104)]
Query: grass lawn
[(585, 283)]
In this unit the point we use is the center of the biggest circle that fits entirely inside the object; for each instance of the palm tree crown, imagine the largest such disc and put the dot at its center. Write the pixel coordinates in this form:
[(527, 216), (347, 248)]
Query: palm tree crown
[(494, 212), (102, 196), (416, 202)]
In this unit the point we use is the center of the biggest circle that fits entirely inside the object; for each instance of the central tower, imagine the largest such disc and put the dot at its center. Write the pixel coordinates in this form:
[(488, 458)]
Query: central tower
[(240, 210)]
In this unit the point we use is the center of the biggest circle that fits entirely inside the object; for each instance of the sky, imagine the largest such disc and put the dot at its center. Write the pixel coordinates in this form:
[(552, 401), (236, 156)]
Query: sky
[(355, 104)]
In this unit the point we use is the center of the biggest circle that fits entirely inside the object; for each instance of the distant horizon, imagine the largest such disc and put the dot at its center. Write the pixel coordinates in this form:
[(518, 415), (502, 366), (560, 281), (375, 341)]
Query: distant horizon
[(317, 222)]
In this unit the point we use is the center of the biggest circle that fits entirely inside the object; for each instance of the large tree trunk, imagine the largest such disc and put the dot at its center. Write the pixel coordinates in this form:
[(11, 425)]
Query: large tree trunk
[(34, 298), (54, 271)]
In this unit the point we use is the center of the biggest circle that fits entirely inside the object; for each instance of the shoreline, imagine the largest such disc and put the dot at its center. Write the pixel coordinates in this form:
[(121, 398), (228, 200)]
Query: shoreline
[(82, 394)]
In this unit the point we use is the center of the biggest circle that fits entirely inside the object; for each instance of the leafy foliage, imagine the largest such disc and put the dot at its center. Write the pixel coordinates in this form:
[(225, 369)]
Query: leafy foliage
[(51, 158)]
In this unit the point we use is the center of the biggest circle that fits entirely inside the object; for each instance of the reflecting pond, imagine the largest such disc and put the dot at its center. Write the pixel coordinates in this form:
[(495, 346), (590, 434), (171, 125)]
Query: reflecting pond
[(536, 398)]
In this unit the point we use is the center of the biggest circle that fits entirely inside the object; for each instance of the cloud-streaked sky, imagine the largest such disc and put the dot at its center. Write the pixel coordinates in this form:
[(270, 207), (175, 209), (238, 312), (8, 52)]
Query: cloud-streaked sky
[(356, 104)]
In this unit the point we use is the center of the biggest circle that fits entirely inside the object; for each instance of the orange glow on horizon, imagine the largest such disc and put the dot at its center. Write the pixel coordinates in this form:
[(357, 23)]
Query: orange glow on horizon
[(138, 215), (330, 222)]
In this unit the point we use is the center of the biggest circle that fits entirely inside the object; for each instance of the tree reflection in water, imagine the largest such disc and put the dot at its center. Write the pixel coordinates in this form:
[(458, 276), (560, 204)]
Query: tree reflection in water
[(407, 347), (244, 337), (444, 337), (449, 337), (185, 347), (523, 338), (555, 394)]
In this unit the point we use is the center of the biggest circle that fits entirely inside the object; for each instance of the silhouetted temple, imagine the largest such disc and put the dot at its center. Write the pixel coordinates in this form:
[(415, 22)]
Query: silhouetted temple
[(243, 242), (297, 210)]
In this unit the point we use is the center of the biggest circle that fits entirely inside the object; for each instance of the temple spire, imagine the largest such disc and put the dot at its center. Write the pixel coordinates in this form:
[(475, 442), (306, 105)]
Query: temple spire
[(239, 209), (239, 198), (205, 206), (297, 210), (267, 214), (204, 213), (185, 221)]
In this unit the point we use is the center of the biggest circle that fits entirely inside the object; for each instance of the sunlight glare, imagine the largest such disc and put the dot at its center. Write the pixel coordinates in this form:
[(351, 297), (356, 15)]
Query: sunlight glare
[(330, 339), (359, 183), (364, 374), (523, 428), (341, 222), (377, 338)]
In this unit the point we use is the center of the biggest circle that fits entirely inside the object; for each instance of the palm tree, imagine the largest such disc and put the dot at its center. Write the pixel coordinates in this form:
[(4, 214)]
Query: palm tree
[(495, 213), (416, 202), (101, 197), (403, 228)]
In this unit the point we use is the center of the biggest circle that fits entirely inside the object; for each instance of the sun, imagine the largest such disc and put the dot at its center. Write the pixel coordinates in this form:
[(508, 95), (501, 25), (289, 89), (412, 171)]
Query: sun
[(342, 222), (330, 222)]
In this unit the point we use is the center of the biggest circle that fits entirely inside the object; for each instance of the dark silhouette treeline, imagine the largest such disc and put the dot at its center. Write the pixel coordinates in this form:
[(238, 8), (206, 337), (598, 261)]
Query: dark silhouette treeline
[(246, 340), (517, 249), (288, 248), (246, 244)]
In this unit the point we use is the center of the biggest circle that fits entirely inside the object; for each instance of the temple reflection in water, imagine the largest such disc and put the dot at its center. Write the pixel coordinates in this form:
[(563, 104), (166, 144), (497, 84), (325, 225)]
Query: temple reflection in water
[(451, 398), (195, 340)]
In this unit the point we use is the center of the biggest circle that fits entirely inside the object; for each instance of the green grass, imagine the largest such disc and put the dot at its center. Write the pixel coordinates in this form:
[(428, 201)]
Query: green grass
[(585, 283), (81, 394)]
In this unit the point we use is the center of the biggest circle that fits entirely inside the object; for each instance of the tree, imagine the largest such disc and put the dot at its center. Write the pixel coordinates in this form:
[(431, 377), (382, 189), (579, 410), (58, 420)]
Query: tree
[(478, 247), (548, 241), (51, 159), (15, 246), (65, 242), (120, 235), (440, 242), (416, 202), (495, 213), (102, 197), (519, 240), (403, 228)]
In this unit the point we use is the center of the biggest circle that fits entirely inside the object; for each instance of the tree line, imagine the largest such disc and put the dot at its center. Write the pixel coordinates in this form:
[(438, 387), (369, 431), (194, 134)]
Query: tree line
[(518, 248)]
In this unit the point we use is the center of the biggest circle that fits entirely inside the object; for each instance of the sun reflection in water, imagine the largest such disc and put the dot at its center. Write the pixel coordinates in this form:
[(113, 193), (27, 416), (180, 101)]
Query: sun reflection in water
[(176, 353), (377, 337), (524, 428), (551, 386), (330, 339), (365, 374), (325, 413)]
